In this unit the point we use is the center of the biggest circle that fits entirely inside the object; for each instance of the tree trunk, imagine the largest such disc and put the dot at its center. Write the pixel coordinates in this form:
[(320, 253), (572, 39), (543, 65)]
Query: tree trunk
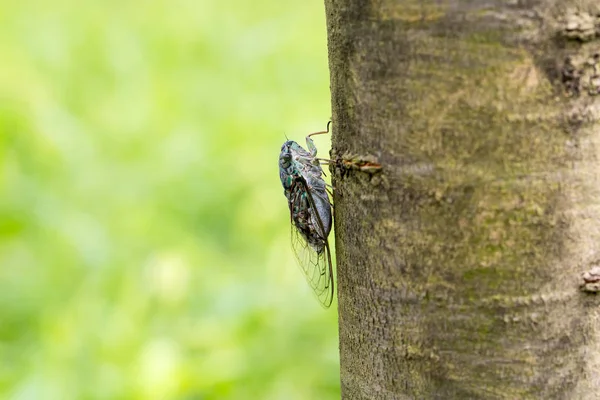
[(467, 197)]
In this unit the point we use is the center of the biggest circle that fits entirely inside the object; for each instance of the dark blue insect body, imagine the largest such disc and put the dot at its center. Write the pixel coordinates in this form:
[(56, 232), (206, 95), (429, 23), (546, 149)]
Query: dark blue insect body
[(310, 213)]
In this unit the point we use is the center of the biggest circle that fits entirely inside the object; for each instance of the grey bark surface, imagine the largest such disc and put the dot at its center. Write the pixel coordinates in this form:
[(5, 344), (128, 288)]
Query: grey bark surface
[(459, 260)]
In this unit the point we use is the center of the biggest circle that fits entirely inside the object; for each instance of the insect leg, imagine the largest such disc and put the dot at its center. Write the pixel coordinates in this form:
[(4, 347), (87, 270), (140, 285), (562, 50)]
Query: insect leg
[(320, 132), (309, 142)]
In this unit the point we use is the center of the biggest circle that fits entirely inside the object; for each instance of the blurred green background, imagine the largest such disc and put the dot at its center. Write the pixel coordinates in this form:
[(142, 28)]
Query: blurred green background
[(144, 235)]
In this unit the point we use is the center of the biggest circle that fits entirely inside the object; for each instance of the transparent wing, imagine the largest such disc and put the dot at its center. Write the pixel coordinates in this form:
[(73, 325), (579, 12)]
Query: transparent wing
[(316, 266), (314, 260)]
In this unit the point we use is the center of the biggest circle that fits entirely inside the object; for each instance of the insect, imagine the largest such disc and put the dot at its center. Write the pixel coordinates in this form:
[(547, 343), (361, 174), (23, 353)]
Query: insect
[(310, 214)]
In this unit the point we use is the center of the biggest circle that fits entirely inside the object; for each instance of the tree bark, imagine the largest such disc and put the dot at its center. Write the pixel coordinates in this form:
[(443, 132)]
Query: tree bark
[(466, 136)]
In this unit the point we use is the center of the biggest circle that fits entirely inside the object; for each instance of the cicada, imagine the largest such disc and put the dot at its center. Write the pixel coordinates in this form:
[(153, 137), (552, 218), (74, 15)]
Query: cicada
[(310, 214)]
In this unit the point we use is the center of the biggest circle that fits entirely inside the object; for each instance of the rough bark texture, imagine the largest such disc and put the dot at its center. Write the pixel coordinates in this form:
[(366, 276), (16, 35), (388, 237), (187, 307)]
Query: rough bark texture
[(459, 259)]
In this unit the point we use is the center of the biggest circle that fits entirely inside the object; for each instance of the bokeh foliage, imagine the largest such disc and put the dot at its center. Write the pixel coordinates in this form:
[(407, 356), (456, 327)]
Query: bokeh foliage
[(144, 236)]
